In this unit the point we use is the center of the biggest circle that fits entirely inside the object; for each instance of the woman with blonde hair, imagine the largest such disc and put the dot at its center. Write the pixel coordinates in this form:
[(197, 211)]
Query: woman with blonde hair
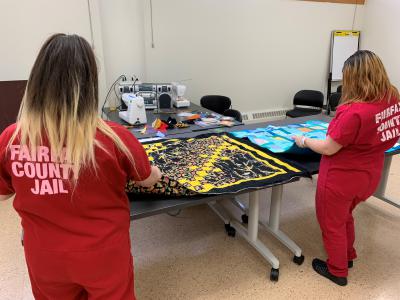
[(68, 170), (367, 123)]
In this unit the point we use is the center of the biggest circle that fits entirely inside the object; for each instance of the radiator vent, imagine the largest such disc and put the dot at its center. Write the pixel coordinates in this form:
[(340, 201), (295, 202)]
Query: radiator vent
[(266, 115)]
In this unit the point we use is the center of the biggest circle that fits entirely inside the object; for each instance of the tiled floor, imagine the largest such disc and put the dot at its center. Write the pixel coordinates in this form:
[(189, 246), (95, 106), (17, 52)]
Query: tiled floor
[(190, 256)]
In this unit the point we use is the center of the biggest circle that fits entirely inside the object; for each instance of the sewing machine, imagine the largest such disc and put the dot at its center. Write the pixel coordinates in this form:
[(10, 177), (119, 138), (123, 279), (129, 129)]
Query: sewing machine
[(136, 111), (178, 90)]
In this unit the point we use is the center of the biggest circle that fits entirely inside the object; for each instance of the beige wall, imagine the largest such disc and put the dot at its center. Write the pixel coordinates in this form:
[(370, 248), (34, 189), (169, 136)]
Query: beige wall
[(257, 52), (381, 34), (25, 25), (122, 28)]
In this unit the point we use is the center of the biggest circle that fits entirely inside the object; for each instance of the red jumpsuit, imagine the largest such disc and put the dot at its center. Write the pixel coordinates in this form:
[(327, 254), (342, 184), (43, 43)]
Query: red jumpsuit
[(76, 239), (366, 131)]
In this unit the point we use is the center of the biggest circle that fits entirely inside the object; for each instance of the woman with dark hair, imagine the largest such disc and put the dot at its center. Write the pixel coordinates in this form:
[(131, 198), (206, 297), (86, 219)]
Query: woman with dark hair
[(68, 169)]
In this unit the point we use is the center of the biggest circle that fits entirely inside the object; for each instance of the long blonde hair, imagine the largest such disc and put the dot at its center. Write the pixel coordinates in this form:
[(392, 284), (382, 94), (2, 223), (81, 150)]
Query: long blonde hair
[(60, 105), (365, 79)]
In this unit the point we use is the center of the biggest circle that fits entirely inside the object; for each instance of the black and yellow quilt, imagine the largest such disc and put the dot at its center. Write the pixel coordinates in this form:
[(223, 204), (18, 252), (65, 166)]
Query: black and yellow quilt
[(213, 164)]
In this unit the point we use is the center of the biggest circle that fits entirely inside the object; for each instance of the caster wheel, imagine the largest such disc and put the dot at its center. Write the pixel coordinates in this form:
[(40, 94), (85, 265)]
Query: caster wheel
[(245, 219), (274, 274), (230, 230), (298, 259)]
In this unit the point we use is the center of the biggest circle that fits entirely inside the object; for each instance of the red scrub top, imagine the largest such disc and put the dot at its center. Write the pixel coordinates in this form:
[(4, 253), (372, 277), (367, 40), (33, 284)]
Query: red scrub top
[(366, 131), (54, 214)]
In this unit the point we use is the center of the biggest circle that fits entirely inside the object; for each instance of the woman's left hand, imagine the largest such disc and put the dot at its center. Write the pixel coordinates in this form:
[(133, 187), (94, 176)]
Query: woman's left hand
[(298, 140)]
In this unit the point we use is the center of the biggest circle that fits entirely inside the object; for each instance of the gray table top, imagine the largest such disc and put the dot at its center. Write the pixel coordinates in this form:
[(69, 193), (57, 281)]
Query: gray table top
[(152, 115), (146, 208)]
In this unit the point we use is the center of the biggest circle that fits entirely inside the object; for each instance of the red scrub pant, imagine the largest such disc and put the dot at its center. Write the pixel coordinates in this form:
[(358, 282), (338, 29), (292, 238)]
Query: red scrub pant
[(338, 193), (101, 274)]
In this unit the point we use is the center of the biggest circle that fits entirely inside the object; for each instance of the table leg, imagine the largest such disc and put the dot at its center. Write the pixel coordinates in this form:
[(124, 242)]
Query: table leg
[(250, 234), (254, 210), (381, 190), (274, 220), (235, 201)]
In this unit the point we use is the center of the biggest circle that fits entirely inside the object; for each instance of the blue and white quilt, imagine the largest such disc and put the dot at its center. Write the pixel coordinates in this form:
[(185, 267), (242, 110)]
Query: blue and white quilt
[(278, 139)]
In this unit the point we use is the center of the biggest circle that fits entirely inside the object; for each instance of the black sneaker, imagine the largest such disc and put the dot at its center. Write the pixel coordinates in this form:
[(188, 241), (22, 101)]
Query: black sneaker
[(350, 264), (321, 268)]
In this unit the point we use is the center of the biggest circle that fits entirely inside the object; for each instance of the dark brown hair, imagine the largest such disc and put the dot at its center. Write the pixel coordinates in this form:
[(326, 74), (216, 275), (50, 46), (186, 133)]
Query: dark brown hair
[(61, 101), (64, 61)]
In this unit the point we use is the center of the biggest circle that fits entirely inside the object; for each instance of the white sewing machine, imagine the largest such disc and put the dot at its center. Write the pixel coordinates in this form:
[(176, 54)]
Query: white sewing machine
[(178, 90), (136, 112)]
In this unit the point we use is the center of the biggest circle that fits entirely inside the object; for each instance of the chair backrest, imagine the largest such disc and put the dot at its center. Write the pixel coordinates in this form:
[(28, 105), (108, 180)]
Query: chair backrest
[(11, 93), (309, 98), (234, 114), (334, 100), (339, 89), (215, 103)]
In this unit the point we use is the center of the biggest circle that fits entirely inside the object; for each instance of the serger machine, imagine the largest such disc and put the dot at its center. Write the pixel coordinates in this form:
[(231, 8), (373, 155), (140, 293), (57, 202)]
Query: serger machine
[(136, 111)]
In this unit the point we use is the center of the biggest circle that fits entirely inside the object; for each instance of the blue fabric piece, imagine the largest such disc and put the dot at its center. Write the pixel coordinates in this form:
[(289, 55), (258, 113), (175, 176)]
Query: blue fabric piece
[(160, 134), (278, 139), (394, 148)]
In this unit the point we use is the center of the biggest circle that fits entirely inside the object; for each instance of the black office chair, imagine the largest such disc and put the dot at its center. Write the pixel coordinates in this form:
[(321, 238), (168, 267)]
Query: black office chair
[(304, 99), (339, 89), (216, 103), (334, 100), (234, 114)]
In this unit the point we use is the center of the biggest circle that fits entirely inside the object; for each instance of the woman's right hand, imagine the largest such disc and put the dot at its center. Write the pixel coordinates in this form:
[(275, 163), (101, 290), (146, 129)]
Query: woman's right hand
[(154, 177)]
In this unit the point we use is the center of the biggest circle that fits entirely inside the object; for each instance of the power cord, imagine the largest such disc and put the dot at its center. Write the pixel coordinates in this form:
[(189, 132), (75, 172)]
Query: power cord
[(134, 83), (108, 93), (115, 91), (131, 87)]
